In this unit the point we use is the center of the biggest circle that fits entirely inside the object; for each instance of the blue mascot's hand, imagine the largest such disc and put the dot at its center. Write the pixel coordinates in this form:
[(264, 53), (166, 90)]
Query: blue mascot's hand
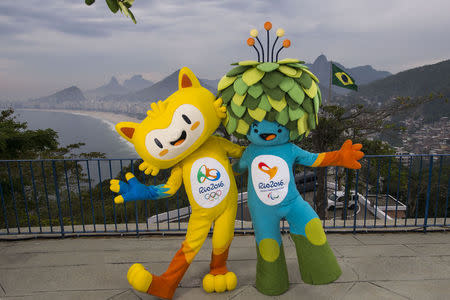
[(134, 190)]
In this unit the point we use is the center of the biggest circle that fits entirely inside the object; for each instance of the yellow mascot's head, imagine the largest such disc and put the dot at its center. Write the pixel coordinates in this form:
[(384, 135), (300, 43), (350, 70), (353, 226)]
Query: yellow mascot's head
[(175, 127)]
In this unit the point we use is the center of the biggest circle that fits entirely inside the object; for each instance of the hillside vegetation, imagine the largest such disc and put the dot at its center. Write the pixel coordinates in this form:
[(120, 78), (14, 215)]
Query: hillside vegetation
[(415, 82)]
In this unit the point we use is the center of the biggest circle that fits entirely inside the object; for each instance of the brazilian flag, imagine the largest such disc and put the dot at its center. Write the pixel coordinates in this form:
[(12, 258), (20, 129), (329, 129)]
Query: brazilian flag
[(342, 78)]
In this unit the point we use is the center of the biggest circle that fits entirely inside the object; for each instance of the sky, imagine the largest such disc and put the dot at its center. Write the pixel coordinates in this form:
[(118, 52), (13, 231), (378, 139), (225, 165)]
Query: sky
[(48, 45)]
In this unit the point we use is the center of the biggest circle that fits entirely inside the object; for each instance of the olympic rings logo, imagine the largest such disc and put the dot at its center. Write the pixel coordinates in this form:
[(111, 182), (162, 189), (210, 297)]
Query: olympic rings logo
[(204, 173), (213, 195)]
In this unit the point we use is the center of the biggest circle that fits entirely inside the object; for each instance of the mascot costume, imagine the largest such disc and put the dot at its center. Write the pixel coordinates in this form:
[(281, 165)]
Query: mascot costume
[(272, 103), (177, 134)]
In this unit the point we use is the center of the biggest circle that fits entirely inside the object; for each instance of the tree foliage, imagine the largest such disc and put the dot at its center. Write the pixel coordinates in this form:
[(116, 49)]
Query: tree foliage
[(361, 124), (19, 142), (116, 5), (27, 178)]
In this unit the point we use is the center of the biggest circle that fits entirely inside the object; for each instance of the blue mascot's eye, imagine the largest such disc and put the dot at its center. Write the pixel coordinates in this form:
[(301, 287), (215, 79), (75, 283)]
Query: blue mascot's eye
[(279, 130), (256, 130)]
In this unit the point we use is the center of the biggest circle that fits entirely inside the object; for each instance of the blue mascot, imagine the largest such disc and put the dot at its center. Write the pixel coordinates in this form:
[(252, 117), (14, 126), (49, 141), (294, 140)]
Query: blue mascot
[(271, 104)]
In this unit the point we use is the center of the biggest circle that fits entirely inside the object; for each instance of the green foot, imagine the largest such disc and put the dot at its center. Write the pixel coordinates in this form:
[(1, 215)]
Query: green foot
[(318, 265), (272, 277)]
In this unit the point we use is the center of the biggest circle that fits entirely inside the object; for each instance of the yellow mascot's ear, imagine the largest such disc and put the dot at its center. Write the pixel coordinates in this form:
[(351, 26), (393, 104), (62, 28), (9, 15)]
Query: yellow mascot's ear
[(127, 130), (187, 79)]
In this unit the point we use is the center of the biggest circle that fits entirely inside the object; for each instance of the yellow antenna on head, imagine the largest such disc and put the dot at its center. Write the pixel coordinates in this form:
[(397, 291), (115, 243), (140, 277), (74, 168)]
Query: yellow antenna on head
[(156, 108)]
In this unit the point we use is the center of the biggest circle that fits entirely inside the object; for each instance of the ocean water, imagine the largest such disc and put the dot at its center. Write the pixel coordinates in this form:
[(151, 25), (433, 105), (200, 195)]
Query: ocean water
[(98, 135)]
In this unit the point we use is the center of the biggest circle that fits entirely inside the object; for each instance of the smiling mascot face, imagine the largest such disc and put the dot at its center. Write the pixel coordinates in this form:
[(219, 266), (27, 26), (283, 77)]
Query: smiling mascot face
[(175, 127)]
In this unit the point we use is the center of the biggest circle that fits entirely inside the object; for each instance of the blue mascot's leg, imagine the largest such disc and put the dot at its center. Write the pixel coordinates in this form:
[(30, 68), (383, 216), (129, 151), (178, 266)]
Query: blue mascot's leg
[(271, 270), (316, 260)]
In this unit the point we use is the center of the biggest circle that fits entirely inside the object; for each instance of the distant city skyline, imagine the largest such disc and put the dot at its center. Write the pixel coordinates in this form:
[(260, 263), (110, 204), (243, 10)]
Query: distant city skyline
[(50, 45)]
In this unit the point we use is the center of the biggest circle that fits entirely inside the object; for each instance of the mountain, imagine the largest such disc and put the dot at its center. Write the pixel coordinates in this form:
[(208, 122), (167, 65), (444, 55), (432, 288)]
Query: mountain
[(158, 91), (417, 82), (113, 87), (362, 74), (71, 97), (211, 83), (366, 74), (137, 83)]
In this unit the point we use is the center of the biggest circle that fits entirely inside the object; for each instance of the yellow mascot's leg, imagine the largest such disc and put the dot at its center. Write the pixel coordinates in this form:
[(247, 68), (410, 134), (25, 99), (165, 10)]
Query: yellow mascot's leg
[(219, 278), (164, 286)]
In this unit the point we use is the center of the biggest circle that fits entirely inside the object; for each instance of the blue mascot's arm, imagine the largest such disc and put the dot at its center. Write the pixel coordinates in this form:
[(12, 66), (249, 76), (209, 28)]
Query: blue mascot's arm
[(347, 156), (134, 190), (303, 157)]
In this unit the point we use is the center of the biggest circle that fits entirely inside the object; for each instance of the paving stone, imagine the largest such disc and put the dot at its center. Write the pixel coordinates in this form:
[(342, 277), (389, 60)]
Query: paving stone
[(36, 259), (199, 293), (374, 250), (368, 291), (349, 274), (390, 265), (430, 249), (423, 289), (249, 292), (3, 246), (405, 238), (153, 255), (75, 295), (22, 281), (317, 292), (2, 290), (336, 252), (126, 295), (343, 239), (399, 268), (93, 244)]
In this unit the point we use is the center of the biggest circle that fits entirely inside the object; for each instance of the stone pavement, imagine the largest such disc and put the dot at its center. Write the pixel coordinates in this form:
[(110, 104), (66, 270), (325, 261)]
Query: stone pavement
[(375, 266)]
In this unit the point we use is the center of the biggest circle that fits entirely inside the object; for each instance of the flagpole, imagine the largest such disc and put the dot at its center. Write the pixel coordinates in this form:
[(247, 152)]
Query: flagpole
[(331, 76)]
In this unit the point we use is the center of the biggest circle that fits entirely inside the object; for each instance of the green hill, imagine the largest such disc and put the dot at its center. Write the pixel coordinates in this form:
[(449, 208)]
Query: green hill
[(415, 82)]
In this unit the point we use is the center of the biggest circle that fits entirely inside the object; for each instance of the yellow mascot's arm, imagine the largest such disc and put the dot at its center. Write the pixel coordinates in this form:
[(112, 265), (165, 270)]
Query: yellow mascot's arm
[(175, 180), (232, 149), (221, 111)]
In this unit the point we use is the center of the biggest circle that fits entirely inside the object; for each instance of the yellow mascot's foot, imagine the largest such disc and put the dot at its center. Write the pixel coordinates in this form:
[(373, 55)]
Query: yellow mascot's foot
[(139, 278), (219, 283)]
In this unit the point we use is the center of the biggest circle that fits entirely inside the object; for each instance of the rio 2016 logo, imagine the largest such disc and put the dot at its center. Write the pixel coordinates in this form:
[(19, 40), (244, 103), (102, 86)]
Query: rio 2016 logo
[(268, 170), (205, 173)]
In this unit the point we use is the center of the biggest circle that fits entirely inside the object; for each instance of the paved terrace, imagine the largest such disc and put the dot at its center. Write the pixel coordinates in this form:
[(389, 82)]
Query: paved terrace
[(375, 266)]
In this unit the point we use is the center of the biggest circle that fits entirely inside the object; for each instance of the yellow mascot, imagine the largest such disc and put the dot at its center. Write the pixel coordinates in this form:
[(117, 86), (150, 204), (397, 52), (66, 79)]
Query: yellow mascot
[(177, 134)]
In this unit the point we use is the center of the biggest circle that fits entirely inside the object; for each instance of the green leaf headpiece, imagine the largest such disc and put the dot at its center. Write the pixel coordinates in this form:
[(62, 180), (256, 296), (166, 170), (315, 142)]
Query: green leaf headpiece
[(284, 91)]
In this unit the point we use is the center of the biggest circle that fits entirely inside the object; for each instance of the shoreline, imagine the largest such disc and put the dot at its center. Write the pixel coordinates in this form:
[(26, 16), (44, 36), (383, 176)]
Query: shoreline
[(107, 117)]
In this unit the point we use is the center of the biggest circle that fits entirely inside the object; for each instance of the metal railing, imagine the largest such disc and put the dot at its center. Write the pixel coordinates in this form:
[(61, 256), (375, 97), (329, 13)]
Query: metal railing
[(72, 197)]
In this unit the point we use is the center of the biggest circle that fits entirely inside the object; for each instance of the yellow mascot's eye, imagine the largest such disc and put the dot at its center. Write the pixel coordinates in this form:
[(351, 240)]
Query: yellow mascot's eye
[(344, 78)]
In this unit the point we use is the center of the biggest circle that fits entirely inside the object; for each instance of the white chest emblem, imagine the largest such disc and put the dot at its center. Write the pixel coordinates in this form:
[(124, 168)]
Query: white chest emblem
[(210, 182), (270, 176)]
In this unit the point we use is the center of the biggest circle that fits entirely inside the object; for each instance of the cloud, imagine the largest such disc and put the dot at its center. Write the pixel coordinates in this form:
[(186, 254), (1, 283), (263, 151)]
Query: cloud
[(55, 44), (28, 16)]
